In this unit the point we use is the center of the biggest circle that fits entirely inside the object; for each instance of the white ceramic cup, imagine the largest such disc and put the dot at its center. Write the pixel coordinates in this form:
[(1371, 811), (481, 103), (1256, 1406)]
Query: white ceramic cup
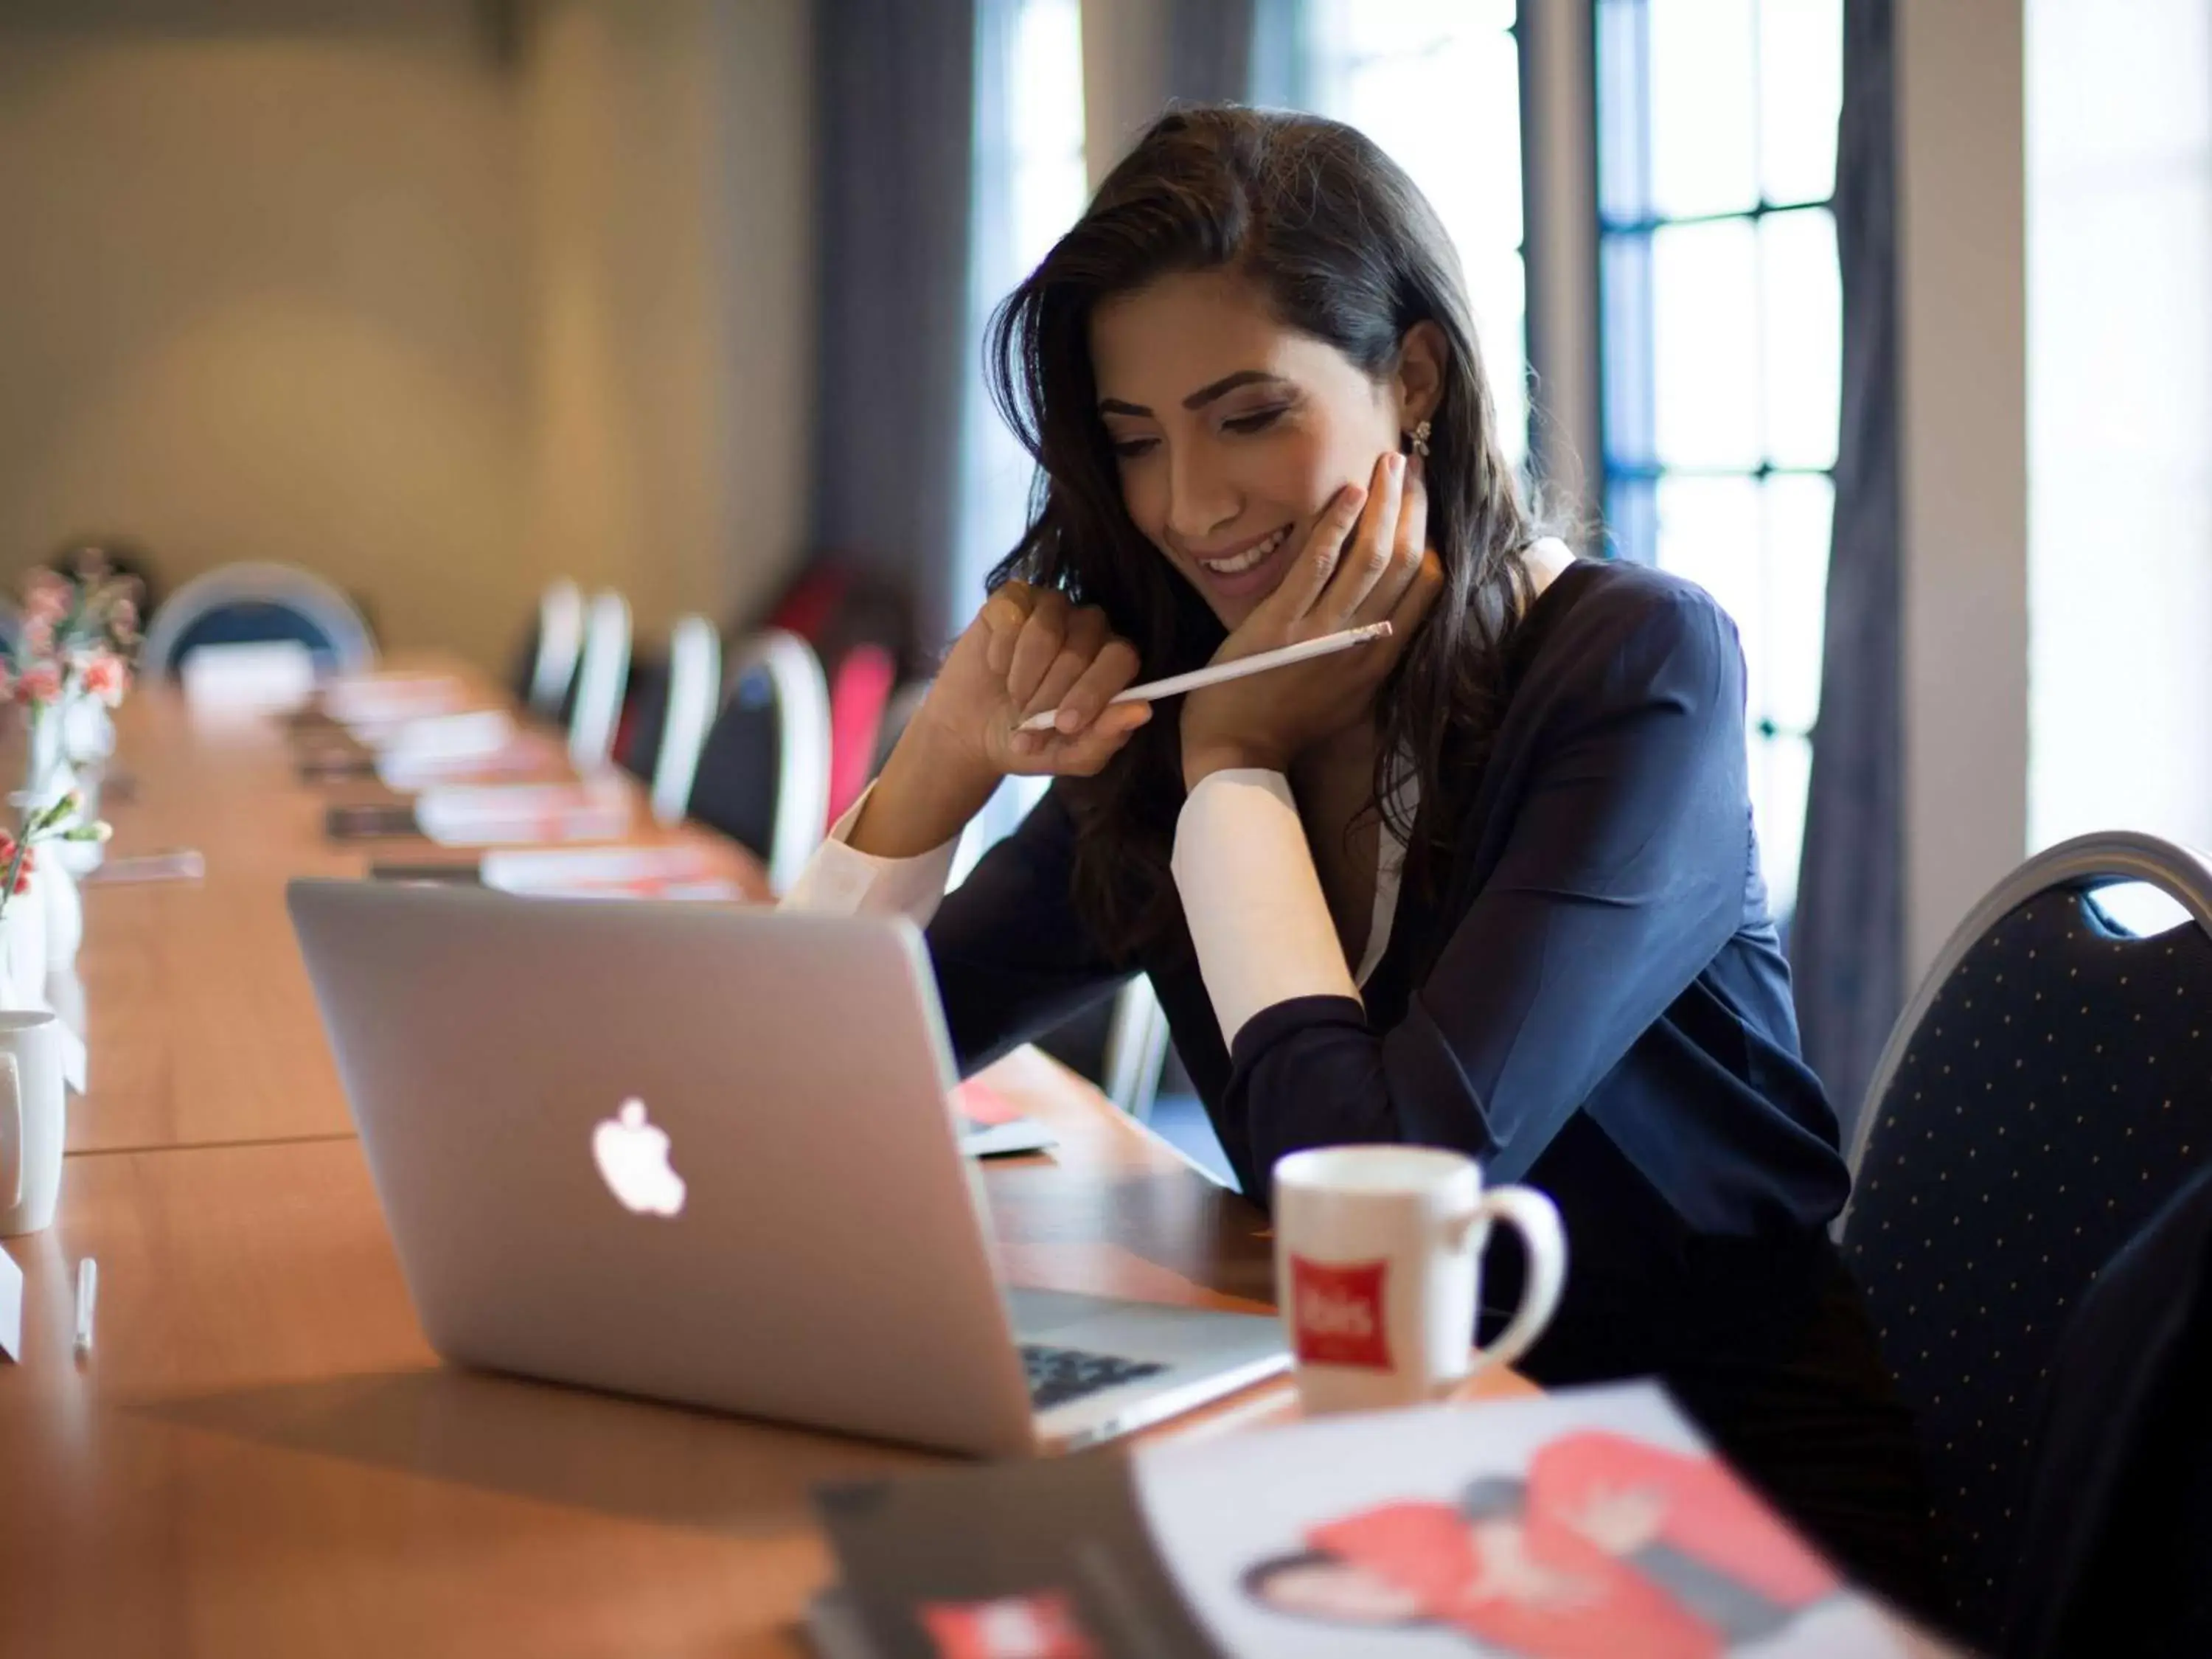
[(1378, 1253), (31, 1120)]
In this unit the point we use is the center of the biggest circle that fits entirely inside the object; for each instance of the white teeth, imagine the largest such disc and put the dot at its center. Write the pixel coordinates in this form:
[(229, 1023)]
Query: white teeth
[(1246, 561)]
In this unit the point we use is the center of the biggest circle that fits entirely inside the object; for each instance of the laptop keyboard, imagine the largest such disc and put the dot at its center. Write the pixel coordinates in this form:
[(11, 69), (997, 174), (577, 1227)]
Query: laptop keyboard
[(1060, 1375)]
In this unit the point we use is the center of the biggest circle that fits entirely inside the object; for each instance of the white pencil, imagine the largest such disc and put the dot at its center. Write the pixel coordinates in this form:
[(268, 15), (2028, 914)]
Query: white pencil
[(1175, 685), (88, 1292)]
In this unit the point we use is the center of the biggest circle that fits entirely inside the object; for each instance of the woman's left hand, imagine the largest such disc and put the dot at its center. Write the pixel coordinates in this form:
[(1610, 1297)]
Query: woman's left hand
[(1366, 561)]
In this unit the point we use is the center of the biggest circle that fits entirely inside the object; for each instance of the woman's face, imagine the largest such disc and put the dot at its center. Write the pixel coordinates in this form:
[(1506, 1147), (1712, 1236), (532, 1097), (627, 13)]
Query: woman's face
[(1232, 432)]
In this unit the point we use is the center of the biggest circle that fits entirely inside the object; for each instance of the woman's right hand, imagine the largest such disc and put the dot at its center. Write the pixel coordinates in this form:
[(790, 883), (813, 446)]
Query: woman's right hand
[(1027, 650)]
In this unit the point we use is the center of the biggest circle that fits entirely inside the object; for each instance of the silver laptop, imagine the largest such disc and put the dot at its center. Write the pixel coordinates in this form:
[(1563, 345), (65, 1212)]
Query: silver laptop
[(705, 1155)]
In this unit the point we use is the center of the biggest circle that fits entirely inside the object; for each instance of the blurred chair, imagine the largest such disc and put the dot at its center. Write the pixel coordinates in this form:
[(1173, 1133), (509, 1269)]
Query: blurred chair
[(2116, 1536), (671, 708), (762, 776), (2042, 1096), (1136, 1049), (257, 605), (860, 693), (548, 670), (602, 675)]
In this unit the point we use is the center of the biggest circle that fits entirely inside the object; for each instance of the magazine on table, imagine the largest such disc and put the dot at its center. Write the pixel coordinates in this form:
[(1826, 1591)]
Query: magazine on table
[(1585, 1523)]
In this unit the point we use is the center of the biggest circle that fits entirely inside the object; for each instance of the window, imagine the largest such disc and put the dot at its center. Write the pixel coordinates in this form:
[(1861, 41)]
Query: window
[(1437, 83), (1721, 335), (1030, 187)]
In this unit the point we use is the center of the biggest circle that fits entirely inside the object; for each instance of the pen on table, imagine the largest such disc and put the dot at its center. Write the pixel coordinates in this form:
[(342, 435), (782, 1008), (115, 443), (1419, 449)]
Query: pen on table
[(88, 1292), (1198, 679)]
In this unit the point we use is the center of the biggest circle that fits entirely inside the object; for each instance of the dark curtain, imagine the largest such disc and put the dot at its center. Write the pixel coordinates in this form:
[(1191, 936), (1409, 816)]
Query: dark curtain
[(894, 142), (1847, 947), (1210, 51), (1240, 52)]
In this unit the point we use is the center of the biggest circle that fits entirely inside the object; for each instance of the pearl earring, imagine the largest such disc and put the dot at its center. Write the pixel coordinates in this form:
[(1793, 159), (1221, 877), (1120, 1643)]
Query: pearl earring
[(1420, 438)]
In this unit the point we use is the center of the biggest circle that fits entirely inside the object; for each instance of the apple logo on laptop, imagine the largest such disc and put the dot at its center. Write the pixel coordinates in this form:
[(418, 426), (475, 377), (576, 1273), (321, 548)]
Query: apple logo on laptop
[(633, 1159)]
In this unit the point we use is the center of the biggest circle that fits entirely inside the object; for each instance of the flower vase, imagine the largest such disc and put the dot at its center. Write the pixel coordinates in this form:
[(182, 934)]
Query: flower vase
[(50, 776), (88, 741), (55, 890), (23, 950)]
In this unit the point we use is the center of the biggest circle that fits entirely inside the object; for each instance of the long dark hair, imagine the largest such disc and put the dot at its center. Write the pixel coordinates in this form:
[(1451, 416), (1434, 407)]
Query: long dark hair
[(1349, 251)]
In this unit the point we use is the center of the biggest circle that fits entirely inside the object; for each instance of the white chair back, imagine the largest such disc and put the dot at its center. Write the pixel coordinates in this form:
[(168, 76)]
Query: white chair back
[(1136, 1049), (602, 675), (560, 642), (802, 710), (694, 692), (329, 611)]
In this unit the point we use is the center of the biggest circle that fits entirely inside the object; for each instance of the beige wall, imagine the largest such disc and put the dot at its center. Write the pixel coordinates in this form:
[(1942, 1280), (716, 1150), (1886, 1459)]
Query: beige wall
[(672, 338), (345, 283)]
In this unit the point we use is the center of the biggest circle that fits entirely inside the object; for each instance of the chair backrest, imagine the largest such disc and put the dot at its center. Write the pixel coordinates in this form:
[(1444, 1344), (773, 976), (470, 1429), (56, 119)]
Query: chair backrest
[(2041, 1096), (860, 693), (602, 674), (763, 774), (1136, 1049), (256, 604), (692, 695), (555, 645), (2116, 1535)]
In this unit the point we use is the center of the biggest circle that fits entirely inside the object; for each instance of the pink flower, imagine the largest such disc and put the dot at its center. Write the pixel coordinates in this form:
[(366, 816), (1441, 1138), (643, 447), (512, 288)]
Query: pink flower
[(125, 617), (41, 682), (38, 636), (46, 597), (105, 677)]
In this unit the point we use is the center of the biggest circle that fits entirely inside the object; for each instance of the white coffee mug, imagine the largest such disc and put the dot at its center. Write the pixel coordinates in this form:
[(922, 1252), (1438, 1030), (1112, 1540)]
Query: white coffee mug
[(1378, 1254), (31, 1120)]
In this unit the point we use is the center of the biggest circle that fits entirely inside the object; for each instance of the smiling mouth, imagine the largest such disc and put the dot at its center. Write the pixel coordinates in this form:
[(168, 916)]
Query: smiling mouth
[(1236, 564)]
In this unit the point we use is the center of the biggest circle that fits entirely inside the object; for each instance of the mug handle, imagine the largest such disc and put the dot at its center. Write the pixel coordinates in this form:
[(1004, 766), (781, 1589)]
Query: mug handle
[(1536, 1219), (11, 1142)]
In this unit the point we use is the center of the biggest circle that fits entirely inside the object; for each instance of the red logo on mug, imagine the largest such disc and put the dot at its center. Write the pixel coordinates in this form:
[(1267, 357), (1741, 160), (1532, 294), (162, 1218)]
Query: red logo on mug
[(1339, 1314), (1039, 1625)]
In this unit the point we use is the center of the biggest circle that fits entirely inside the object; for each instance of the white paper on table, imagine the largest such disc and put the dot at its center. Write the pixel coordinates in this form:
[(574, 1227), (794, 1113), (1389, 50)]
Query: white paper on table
[(269, 676), (11, 1309), (673, 872), (399, 695), (492, 814), (467, 736), (525, 752)]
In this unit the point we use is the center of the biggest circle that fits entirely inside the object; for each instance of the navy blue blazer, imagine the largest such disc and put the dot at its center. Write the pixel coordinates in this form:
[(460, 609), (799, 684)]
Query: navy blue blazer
[(1593, 998)]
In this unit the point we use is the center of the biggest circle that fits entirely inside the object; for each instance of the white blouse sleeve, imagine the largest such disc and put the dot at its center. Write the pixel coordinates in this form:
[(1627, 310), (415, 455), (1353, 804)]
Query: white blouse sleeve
[(1253, 898), (841, 880)]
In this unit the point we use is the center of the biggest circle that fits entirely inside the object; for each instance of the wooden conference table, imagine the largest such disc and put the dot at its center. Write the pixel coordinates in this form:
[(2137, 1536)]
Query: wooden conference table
[(261, 1456)]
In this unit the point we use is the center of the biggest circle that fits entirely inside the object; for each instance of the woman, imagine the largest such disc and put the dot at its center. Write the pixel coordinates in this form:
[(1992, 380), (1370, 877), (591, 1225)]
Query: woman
[(1489, 884)]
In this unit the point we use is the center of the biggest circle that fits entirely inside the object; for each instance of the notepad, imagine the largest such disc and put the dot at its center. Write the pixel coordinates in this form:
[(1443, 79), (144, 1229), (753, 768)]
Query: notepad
[(523, 755), (383, 698), (269, 678), (609, 872), (524, 813)]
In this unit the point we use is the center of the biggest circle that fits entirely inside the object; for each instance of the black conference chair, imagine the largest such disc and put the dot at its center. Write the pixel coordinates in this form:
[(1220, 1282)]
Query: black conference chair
[(2044, 1094), (2115, 1537), (762, 776), (671, 708), (544, 679), (258, 604)]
